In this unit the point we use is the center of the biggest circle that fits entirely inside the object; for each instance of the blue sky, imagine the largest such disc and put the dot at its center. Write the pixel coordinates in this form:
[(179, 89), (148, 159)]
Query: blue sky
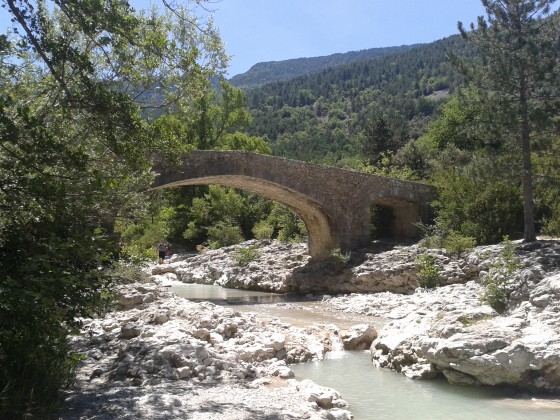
[(271, 30)]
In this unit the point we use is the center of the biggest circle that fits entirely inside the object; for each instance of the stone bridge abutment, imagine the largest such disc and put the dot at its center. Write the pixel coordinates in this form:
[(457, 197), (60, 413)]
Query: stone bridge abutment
[(333, 203)]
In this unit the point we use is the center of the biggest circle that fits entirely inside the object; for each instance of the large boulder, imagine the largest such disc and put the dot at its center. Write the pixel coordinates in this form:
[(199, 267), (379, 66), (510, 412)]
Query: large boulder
[(472, 344)]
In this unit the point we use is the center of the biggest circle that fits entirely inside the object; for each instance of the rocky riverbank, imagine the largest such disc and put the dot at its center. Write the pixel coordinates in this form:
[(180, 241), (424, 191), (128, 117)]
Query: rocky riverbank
[(159, 356)]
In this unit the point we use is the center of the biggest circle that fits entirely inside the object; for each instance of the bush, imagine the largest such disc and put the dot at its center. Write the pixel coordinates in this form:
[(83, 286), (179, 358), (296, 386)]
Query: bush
[(435, 236), (456, 243), (224, 234), (483, 210), (43, 293), (143, 235), (432, 236), (263, 230), (340, 258), (428, 273), (244, 256), (290, 227), (136, 254), (124, 272), (34, 367), (496, 293)]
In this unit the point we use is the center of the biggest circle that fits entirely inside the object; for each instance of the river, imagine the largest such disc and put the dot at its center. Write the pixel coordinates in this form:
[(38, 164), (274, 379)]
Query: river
[(376, 393)]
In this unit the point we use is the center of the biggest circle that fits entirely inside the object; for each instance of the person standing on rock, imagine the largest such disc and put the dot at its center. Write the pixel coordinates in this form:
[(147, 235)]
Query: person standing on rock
[(162, 249)]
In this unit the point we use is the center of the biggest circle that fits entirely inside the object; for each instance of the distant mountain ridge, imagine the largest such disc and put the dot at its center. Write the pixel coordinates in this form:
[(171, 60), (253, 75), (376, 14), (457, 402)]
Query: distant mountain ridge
[(275, 71)]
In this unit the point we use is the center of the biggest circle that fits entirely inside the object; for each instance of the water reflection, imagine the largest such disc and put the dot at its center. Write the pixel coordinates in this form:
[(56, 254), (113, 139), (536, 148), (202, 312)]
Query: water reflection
[(297, 310), (223, 296)]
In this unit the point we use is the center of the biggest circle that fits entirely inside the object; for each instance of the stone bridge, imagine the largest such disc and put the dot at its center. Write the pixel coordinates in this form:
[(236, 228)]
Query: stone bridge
[(333, 203)]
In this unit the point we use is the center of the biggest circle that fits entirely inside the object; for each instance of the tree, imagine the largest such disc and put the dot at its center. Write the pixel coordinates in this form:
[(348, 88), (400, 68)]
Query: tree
[(377, 139), (519, 46), (76, 78)]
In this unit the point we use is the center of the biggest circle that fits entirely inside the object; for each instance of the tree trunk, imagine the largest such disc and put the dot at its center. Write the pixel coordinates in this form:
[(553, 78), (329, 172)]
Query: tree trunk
[(529, 234)]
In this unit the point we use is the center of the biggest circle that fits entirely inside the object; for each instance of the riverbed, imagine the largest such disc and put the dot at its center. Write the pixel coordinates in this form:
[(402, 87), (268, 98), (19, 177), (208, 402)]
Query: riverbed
[(375, 393)]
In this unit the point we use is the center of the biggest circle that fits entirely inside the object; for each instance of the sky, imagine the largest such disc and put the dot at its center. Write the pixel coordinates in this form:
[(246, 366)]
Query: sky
[(272, 30), (257, 31)]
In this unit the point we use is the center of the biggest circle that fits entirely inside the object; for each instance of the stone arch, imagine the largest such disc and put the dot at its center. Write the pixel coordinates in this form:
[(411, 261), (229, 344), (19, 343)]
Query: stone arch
[(321, 238), (333, 203)]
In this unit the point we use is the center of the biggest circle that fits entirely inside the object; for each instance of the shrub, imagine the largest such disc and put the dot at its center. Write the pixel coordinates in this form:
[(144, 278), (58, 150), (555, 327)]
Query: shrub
[(144, 234), (136, 254), (340, 258), (432, 236), (35, 366), (124, 272), (263, 230), (496, 293), (244, 256), (428, 273), (456, 243), (224, 234), (477, 208)]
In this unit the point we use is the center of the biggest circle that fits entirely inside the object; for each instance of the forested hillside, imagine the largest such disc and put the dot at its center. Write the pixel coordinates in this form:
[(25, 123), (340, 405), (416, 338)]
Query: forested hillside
[(274, 71), (322, 117)]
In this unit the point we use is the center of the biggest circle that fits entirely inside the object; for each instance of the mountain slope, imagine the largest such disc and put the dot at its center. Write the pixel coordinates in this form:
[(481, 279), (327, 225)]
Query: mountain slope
[(328, 116), (274, 71)]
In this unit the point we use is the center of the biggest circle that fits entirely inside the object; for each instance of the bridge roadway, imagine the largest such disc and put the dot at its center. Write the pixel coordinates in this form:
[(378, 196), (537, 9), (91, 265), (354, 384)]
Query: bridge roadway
[(333, 203)]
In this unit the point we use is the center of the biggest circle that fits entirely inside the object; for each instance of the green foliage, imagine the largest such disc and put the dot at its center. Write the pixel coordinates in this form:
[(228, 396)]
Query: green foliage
[(386, 166), (224, 234), (551, 224), (214, 117), (547, 185), (263, 230), (466, 122), (275, 71), (201, 210), (244, 256), (238, 141), (289, 226), (412, 159), (377, 139), (496, 292), (34, 366), (465, 320), (340, 258), (519, 44), (457, 243), (434, 236), (217, 205), (130, 270), (74, 147), (428, 272), (362, 108), (483, 210), (140, 236)]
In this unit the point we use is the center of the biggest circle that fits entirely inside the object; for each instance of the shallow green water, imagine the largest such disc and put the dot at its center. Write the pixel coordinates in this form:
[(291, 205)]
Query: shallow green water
[(380, 393), (383, 394)]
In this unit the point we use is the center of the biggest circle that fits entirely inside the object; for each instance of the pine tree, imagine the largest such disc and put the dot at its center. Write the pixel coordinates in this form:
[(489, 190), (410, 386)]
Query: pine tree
[(519, 44)]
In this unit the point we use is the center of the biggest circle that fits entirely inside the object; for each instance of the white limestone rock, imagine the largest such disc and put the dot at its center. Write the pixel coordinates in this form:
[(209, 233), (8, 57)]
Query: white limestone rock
[(359, 337)]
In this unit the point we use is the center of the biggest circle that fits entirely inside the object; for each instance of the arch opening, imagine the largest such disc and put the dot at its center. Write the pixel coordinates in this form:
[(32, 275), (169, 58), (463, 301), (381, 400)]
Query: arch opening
[(393, 218), (321, 236)]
